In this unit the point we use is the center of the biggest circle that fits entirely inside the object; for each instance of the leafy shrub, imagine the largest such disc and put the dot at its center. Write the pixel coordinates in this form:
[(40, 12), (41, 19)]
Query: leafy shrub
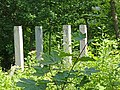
[(87, 73), (52, 75)]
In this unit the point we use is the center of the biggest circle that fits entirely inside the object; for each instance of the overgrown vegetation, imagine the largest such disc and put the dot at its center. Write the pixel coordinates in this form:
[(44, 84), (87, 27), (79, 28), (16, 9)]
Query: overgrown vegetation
[(87, 73), (99, 70)]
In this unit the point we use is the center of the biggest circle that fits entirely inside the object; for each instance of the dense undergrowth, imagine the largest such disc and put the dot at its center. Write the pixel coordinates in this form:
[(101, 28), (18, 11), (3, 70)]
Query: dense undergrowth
[(99, 70)]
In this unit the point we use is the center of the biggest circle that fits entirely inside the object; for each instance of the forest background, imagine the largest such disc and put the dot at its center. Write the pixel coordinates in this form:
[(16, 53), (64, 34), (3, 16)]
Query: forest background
[(100, 16)]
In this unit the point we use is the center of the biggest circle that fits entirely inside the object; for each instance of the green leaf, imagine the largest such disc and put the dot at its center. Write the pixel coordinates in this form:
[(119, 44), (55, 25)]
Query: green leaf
[(84, 81), (33, 85), (64, 54), (43, 84), (41, 71), (91, 40), (28, 81), (73, 74), (86, 59), (27, 84), (89, 71), (53, 58), (118, 65), (79, 36), (60, 77)]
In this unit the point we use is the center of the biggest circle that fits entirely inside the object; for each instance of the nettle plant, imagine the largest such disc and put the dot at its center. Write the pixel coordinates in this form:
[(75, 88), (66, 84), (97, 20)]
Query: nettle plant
[(52, 75)]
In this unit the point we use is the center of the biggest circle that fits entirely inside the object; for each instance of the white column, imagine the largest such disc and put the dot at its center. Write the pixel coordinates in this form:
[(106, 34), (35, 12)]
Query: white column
[(67, 43), (18, 43), (39, 41), (83, 30)]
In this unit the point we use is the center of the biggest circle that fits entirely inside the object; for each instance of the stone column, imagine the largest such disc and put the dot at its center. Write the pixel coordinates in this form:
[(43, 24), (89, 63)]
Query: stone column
[(67, 43), (18, 43), (83, 43), (39, 41)]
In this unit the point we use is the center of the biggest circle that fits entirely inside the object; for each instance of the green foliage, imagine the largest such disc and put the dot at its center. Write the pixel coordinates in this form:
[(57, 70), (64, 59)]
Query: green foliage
[(89, 71), (51, 72), (41, 71), (86, 74), (9, 83), (86, 59), (108, 64), (53, 58), (79, 36), (30, 60), (52, 14), (31, 84)]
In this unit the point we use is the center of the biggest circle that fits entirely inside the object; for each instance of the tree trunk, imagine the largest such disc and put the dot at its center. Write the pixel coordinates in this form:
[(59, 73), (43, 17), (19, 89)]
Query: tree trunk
[(115, 19)]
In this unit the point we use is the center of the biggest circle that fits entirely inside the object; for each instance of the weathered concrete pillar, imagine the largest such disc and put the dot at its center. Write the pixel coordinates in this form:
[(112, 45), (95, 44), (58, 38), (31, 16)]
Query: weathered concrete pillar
[(39, 41), (67, 43), (83, 43), (18, 43)]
